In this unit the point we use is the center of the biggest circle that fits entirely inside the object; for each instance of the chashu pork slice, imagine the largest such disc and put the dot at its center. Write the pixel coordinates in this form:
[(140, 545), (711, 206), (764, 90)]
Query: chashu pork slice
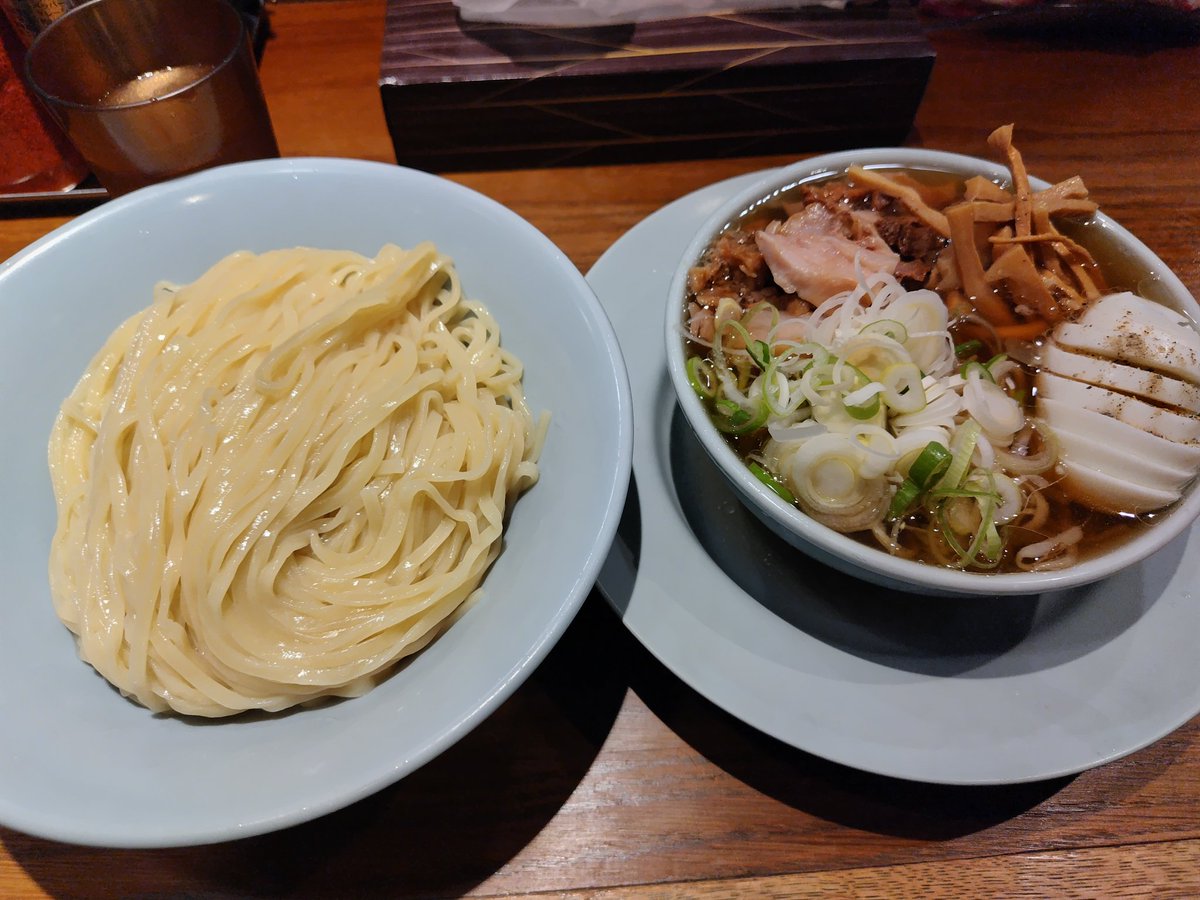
[(810, 255)]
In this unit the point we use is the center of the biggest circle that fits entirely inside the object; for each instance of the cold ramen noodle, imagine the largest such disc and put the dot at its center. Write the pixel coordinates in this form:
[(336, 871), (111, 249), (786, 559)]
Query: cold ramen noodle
[(940, 366), (275, 482)]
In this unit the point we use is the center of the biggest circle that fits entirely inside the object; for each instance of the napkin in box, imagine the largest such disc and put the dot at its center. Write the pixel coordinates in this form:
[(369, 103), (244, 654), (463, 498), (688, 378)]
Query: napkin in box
[(590, 13), (460, 94)]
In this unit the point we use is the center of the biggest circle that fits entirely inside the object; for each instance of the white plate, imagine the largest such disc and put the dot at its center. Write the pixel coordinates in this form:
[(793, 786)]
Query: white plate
[(953, 691), (78, 762)]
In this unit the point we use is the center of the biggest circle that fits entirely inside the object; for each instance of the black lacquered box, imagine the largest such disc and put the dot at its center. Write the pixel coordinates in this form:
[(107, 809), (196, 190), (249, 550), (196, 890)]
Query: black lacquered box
[(461, 95)]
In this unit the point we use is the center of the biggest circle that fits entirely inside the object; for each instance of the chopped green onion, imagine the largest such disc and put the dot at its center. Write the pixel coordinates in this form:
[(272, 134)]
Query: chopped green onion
[(965, 557), (962, 446), (760, 352), (948, 535), (929, 464), (750, 342), (932, 462), (987, 545), (970, 367), (904, 391), (701, 377), (888, 328), (735, 420), (794, 359), (904, 497), (772, 481), (949, 493), (868, 409), (732, 414), (987, 539), (776, 392), (863, 413), (993, 543), (968, 347)]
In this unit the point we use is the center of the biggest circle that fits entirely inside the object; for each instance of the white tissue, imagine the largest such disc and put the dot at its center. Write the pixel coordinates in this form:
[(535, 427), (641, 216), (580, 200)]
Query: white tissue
[(592, 13)]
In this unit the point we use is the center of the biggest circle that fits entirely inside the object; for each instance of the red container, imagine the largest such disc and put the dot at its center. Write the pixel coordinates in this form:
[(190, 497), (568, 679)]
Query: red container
[(35, 156)]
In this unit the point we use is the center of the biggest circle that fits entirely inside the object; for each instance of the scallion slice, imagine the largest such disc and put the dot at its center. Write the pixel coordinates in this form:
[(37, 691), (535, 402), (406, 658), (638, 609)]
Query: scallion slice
[(867, 411), (888, 328), (735, 420), (929, 464), (987, 545), (979, 367), (760, 352), (771, 481), (863, 403), (962, 446), (987, 541), (903, 388), (701, 377), (905, 496)]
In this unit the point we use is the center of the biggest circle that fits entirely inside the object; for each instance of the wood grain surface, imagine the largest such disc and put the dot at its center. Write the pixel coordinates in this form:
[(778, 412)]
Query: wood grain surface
[(604, 776)]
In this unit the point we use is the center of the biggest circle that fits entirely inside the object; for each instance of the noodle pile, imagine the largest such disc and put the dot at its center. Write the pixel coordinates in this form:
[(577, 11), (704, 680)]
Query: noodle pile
[(275, 482)]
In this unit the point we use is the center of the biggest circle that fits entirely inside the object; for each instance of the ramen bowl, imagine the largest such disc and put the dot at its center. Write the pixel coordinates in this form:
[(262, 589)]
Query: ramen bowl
[(848, 554), (81, 763)]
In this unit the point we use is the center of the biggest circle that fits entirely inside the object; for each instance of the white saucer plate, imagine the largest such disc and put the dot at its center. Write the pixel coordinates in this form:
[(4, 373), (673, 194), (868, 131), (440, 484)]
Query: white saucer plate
[(953, 691)]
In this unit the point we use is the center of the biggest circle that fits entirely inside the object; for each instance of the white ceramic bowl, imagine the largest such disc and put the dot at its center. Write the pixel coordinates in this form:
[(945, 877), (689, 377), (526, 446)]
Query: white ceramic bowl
[(838, 550), (81, 764)]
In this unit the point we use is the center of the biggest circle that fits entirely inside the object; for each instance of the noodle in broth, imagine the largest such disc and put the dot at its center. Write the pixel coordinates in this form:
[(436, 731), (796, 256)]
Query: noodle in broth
[(871, 345)]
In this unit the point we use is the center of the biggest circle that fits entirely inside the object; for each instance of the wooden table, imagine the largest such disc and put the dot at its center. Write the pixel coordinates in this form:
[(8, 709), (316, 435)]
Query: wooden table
[(604, 775)]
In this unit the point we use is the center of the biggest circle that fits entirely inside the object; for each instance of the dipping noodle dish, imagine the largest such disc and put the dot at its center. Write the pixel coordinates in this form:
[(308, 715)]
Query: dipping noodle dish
[(962, 371), (298, 492)]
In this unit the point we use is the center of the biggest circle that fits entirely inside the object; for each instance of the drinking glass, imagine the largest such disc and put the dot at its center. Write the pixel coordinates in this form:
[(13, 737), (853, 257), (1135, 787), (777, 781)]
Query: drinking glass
[(148, 90)]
